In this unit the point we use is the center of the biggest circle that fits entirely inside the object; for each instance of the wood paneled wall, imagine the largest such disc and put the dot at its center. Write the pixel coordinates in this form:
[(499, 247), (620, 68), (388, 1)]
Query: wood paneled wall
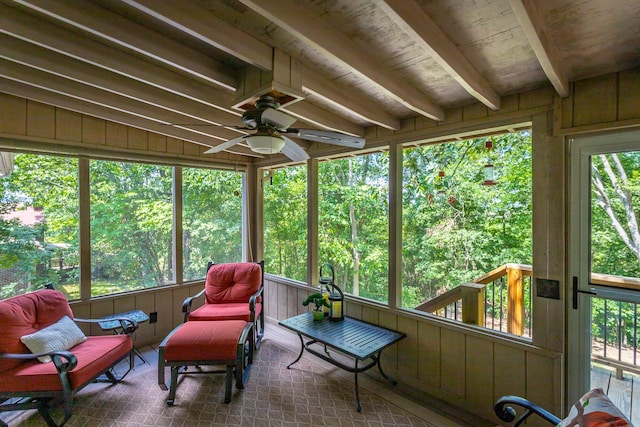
[(166, 301), (33, 125), (462, 365), (601, 103)]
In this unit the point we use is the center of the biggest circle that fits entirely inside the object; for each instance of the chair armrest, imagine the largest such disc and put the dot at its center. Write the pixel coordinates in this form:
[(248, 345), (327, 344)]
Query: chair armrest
[(508, 414), (63, 360), (127, 325), (186, 305), (254, 298)]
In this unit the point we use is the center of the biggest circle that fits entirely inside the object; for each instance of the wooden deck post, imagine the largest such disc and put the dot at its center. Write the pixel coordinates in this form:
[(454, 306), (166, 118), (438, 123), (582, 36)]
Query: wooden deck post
[(473, 303), (515, 301)]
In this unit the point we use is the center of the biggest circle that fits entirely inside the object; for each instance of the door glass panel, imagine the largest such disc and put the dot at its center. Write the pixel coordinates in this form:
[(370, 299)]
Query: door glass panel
[(615, 271)]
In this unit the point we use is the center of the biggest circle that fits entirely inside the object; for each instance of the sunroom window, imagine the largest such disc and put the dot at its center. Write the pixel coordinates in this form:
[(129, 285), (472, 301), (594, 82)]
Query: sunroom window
[(285, 222), (211, 219), (467, 229), (131, 226), (39, 225), (353, 224)]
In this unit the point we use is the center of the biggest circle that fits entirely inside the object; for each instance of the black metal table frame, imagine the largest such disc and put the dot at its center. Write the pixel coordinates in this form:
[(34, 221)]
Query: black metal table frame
[(374, 355), (111, 323)]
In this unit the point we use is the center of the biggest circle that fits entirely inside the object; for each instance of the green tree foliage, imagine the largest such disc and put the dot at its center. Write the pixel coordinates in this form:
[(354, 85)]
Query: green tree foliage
[(615, 240), (615, 207), (48, 183), (131, 209), (285, 223), (212, 219), (455, 228), (131, 225), (354, 223)]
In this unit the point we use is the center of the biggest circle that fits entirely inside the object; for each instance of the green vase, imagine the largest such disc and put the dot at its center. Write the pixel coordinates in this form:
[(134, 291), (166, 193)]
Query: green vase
[(318, 315)]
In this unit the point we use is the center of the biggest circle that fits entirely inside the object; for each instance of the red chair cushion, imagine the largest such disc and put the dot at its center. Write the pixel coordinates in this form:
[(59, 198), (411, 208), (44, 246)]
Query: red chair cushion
[(233, 311), (232, 283), (26, 314), (95, 355), (204, 341)]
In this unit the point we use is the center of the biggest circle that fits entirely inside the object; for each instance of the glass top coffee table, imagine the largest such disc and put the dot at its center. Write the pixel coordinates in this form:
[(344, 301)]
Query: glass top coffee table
[(351, 337)]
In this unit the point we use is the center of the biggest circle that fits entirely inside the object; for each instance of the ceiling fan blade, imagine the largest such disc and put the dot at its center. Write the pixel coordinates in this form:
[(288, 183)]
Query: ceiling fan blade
[(226, 144), (277, 118), (293, 150), (328, 137)]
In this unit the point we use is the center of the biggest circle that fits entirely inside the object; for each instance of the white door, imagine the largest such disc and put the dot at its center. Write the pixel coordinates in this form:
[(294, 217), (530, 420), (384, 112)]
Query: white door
[(604, 254)]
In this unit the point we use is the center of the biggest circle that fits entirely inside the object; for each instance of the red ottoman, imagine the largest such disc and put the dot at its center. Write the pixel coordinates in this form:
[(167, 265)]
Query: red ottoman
[(219, 342)]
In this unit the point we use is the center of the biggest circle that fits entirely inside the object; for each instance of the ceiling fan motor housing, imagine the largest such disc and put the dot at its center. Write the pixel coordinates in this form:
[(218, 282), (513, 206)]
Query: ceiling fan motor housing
[(266, 114)]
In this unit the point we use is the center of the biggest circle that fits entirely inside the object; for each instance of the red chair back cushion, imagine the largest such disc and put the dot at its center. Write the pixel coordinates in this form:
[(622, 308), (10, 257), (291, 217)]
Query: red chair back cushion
[(232, 283), (26, 314)]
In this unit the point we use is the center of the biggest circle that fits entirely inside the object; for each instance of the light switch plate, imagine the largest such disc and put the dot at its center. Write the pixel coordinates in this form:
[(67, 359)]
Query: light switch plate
[(548, 288)]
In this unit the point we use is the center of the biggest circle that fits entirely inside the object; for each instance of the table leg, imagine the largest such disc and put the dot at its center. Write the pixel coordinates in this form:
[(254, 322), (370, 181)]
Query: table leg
[(301, 351), (391, 380), (137, 352), (357, 391)]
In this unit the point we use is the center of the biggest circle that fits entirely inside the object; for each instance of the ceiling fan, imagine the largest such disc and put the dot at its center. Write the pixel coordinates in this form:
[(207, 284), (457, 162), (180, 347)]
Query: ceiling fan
[(272, 131)]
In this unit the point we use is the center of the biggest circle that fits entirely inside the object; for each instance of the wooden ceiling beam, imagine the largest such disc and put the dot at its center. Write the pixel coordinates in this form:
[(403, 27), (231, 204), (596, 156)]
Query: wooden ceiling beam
[(206, 27), (414, 21), (46, 60), (39, 32), (341, 98), (44, 96), (541, 42), (98, 21), (296, 20), (68, 88), (321, 118)]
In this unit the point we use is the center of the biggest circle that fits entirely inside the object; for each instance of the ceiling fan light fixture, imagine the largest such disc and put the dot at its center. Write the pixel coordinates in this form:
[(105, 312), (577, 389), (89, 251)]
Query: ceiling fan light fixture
[(265, 144)]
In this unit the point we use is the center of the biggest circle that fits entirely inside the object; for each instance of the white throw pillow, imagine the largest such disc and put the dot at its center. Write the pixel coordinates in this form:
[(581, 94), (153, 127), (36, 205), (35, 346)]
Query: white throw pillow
[(62, 335)]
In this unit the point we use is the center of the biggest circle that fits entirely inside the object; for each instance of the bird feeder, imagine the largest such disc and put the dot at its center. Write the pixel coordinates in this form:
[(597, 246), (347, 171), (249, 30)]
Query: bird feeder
[(440, 182), (488, 167)]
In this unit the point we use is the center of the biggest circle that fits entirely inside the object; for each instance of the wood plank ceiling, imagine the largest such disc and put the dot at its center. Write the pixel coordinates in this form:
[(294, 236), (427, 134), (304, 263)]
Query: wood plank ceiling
[(178, 66)]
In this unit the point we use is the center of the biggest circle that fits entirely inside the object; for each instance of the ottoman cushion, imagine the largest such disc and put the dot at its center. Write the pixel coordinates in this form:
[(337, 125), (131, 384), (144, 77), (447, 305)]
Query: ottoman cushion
[(204, 341)]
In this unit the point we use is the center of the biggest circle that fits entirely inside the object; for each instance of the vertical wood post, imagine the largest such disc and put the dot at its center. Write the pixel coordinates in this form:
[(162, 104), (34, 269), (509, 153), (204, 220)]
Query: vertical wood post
[(515, 301), (473, 303)]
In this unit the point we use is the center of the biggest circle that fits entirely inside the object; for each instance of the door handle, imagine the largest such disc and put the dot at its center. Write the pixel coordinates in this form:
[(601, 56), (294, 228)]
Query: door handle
[(575, 292)]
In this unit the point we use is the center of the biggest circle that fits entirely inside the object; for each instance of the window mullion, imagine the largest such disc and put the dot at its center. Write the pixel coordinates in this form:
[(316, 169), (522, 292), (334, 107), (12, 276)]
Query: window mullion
[(84, 195)]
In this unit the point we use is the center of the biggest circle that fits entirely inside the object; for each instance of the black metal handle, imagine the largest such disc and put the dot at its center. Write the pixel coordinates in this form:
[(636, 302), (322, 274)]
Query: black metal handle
[(575, 292)]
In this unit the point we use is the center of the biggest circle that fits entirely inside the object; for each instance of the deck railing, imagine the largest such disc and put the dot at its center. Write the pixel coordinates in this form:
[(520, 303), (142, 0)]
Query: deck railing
[(499, 300), (615, 327)]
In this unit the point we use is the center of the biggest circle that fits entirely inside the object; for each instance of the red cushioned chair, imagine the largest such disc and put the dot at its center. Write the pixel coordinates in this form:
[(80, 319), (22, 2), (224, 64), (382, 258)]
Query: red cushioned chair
[(232, 291), (26, 383)]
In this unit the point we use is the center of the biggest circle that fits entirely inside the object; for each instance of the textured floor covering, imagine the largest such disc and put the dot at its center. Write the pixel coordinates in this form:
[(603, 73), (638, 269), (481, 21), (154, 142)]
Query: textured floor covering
[(308, 394)]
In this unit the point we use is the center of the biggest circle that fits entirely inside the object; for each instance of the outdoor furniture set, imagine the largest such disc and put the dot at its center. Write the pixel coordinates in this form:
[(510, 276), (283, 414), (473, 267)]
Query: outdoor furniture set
[(45, 359), (39, 327), (225, 330)]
